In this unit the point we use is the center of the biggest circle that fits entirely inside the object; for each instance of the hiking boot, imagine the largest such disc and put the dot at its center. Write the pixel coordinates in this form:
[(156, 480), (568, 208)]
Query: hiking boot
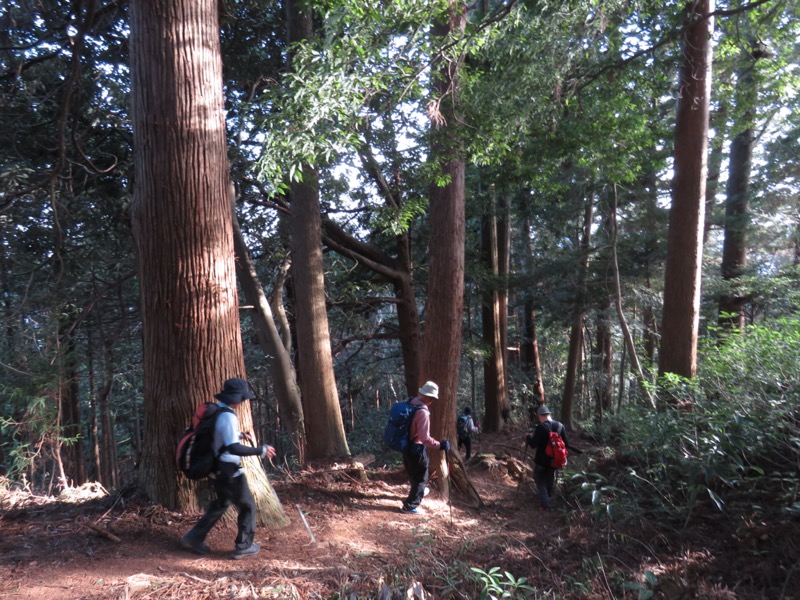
[(251, 551), (188, 542), (411, 511)]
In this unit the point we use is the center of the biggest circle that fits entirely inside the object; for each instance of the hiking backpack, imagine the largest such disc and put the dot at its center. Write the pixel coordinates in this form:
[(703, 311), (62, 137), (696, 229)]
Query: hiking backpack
[(556, 449), (195, 455), (395, 435), (462, 426)]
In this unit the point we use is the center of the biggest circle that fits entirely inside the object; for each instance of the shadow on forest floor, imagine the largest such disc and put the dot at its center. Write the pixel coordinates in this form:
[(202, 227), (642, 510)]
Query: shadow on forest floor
[(91, 545)]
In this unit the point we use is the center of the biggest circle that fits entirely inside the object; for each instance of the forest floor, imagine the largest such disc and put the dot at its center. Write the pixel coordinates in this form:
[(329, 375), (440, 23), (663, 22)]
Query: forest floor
[(115, 546)]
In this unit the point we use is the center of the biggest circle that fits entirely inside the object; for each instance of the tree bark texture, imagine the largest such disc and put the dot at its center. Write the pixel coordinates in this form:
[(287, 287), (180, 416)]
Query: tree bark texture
[(493, 368), (184, 237), (681, 319), (325, 435), (441, 353)]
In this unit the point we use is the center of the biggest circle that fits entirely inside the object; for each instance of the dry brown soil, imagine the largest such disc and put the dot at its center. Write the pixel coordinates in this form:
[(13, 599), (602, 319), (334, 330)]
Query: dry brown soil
[(365, 548)]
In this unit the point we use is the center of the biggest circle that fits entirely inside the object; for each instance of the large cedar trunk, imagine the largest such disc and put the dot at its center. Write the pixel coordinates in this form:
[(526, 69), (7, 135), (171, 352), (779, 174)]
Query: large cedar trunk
[(678, 353), (441, 353), (184, 237)]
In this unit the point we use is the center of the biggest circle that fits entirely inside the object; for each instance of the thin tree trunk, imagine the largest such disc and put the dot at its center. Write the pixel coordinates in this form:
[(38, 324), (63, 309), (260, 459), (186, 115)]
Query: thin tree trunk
[(530, 343), (94, 422), (737, 201), (605, 357), (325, 435), (576, 332), (278, 360), (279, 309), (623, 323), (399, 272), (493, 379), (503, 271)]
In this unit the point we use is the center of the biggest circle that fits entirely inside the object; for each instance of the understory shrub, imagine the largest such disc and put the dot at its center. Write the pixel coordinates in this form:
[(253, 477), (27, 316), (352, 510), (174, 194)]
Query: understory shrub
[(738, 431)]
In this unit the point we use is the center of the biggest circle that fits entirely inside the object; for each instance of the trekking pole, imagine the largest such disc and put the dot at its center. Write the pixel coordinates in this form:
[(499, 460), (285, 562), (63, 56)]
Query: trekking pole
[(449, 487)]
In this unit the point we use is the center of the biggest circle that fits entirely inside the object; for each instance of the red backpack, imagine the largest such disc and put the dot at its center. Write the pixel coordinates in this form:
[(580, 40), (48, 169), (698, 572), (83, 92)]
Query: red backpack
[(195, 456), (556, 450)]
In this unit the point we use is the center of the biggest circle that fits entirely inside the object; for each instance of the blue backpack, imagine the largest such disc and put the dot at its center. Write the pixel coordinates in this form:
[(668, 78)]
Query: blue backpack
[(395, 435)]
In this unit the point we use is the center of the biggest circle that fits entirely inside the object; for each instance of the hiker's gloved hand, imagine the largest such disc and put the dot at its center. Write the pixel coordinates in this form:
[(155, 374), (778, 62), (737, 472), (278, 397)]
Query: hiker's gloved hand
[(444, 446), (267, 451)]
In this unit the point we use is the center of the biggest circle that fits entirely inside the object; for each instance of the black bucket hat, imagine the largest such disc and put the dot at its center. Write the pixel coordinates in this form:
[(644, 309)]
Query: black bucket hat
[(235, 390)]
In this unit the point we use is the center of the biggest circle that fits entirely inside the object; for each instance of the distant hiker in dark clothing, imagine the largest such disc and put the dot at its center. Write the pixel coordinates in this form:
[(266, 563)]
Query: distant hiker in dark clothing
[(415, 459), (543, 473), (465, 427), (228, 480)]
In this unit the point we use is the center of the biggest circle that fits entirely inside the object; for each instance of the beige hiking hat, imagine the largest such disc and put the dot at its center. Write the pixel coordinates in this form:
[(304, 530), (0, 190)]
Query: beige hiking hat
[(430, 389)]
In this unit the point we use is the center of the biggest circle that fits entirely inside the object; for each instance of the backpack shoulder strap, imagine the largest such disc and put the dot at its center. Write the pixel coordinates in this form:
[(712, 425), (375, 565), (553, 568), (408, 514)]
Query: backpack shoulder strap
[(558, 427), (222, 409)]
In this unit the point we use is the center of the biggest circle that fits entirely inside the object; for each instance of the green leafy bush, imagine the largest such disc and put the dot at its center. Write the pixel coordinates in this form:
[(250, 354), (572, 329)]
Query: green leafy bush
[(734, 427)]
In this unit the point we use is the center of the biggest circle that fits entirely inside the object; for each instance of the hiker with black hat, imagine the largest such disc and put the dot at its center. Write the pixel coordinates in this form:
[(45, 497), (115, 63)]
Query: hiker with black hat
[(228, 480), (543, 473), (415, 458)]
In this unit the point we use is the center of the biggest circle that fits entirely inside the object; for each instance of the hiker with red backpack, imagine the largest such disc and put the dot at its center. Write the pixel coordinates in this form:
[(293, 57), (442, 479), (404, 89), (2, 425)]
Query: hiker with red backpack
[(549, 439), (227, 478)]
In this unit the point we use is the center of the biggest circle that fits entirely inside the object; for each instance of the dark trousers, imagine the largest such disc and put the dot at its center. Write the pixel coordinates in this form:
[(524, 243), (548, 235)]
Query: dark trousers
[(416, 463), (229, 490), (545, 478), (467, 442)]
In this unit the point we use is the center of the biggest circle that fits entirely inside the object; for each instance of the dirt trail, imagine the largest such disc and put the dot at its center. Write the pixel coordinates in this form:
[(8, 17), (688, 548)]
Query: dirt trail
[(363, 544)]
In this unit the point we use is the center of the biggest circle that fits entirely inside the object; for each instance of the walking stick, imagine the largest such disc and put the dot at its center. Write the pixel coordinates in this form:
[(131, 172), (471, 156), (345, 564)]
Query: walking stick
[(449, 487)]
